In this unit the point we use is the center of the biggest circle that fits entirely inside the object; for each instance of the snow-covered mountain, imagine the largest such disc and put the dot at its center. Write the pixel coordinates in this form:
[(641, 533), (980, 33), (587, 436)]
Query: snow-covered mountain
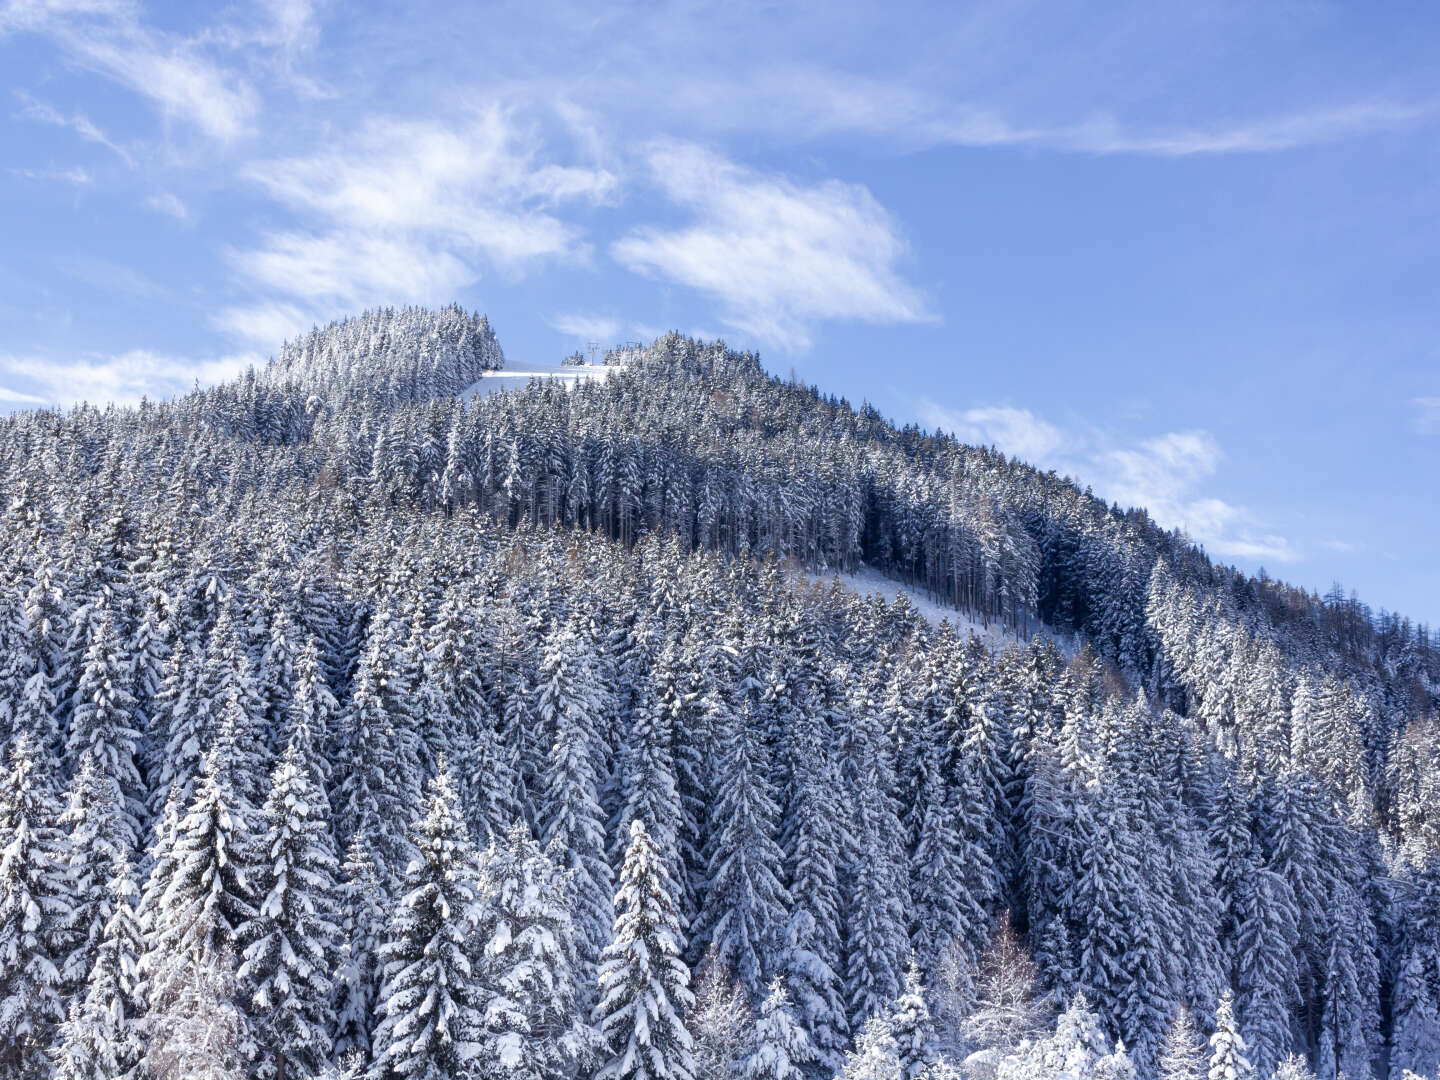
[(668, 719)]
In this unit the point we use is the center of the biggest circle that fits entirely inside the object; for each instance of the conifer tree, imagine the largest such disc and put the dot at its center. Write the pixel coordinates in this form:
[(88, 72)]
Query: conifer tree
[(100, 1040), (912, 1027), (285, 974), (103, 725), (1181, 1057), (744, 907), (644, 983), (572, 822), (1227, 1048), (430, 1002), (533, 1028), (782, 1049), (361, 916), (34, 912), (95, 837)]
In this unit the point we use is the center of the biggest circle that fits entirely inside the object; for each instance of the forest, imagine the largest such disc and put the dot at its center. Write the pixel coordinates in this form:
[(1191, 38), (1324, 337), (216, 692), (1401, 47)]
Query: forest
[(357, 726)]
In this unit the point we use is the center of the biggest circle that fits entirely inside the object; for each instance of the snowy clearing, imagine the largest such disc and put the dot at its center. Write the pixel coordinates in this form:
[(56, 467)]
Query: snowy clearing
[(492, 382), (871, 582)]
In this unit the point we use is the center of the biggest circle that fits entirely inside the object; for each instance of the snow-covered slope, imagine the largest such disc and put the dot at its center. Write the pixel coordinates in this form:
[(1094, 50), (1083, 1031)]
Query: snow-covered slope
[(492, 382)]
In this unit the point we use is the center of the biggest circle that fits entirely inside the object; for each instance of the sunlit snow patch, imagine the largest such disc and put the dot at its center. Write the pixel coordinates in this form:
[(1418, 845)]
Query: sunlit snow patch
[(492, 382)]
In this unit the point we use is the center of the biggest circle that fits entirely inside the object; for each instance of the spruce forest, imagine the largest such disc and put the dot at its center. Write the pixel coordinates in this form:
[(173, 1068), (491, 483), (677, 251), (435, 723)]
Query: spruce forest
[(357, 724)]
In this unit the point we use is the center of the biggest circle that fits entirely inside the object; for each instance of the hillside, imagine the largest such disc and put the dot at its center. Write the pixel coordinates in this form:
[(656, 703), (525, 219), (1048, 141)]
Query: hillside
[(352, 686)]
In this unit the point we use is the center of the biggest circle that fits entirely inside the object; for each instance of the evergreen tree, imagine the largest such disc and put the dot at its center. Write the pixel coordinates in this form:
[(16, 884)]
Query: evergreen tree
[(533, 1029), (1181, 1058), (430, 1003), (1227, 1048), (644, 983), (745, 901), (100, 1040), (34, 912), (782, 1048), (912, 1028), (103, 725), (361, 916), (285, 973)]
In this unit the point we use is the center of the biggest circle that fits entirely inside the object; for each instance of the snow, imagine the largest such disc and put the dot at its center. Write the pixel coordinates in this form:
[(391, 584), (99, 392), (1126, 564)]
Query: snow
[(493, 382), (996, 636)]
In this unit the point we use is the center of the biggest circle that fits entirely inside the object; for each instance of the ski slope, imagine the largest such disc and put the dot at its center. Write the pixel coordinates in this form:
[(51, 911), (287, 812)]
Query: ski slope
[(493, 382)]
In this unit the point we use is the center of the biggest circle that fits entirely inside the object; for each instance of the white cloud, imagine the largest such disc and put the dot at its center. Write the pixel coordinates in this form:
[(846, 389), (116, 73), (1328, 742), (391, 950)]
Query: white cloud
[(411, 210), (123, 379), (1165, 475), (75, 176), (582, 327), (42, 113), (824, 102), (111, 276), (15, 397), (778, 256), (163, 202), (1018, 432), (109, 38), (1429, 420)]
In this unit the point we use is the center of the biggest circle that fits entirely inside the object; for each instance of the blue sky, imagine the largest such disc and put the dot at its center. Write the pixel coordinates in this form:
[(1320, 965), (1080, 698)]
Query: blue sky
[(1187, 252)]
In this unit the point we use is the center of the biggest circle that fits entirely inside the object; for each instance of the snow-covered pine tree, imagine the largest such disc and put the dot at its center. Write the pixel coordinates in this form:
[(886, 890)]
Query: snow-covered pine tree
[(100, 1039), (430, 1001), (95, 836), (875, 1056), (644, 983), (361, 922), (103, 721), (781, 1048), (912, 1027), (34, 912), (743, 912), (525, 943), (1181, 1057), (720, 1021), (285, 973), (1227, 1048)]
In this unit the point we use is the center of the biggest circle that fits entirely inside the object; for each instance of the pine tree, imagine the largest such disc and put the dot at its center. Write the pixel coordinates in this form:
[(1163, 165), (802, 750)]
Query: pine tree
[(285, 973), (95, 838), (361, 915), (572, 822), (100, 1040), (1181, 1058), (644, 983), (912, 1028), (1415, 1039), (875, 1056), (1227, 1048), (782, 1048), (103, 725), (430, 1001), (34, 911), (745, 902), (720, 1022), (533, 1028)]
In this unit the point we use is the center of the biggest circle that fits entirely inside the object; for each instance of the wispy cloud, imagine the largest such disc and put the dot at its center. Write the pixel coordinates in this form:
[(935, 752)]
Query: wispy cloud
[(602, 328), (1428, 421), (778, 255), (1166, 474), (76, 177), (111, 276), (413, 211), (42, 113), (122, 379), (108, 36), (164, 202)]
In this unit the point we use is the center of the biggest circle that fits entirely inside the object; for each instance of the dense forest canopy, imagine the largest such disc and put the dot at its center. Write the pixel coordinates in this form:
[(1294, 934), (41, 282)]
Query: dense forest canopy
[(356, 726)]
